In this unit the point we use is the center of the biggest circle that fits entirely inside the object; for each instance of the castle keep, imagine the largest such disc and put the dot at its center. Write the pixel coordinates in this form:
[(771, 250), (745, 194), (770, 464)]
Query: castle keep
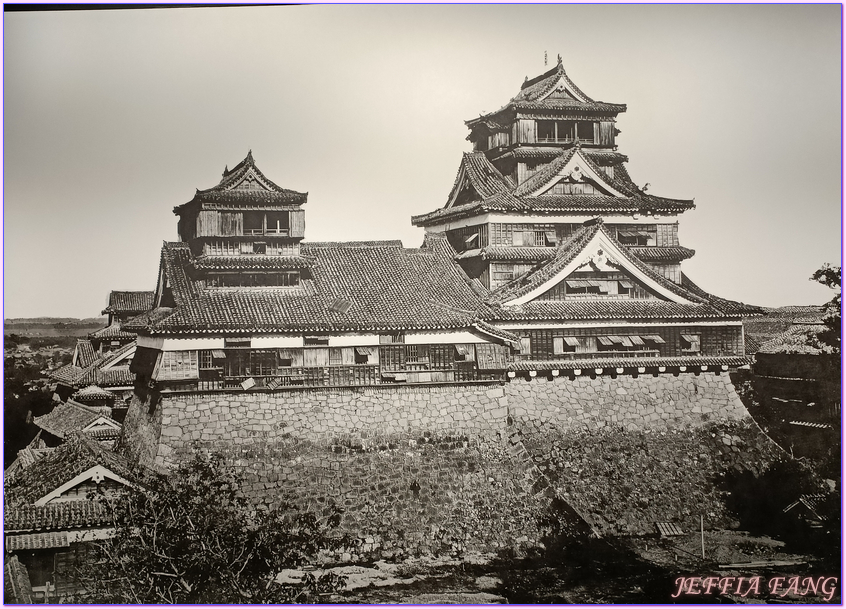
[(546, 304)]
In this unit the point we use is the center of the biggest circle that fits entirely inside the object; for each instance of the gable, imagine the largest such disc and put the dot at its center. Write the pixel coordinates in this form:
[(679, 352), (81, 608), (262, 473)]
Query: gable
[(87, 480), (589, 282), (250, 181), (600, 260), (101, 423), (463, 191), (563, 89), (576, 174)]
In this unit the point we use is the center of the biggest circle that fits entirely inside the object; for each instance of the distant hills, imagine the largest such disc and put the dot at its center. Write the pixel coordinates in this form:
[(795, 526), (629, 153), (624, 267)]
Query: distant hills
[(52, 326)]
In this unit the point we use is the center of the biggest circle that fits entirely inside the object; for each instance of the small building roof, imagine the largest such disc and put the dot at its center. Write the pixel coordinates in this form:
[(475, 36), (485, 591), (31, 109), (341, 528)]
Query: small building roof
[(245, 184), (552, 90), (129, 302), (97, 372), (71, 416), (56, 516), (111, 332), (60, 466)]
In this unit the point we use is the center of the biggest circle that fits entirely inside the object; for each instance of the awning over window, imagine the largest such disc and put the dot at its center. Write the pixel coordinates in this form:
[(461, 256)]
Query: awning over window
[(626, 341), (583, 283), (364, 350), (471, 238), (571, 341), (633, 233), (636, 340), (461, 349), (654, 338), (605, 340), (249, 383), (218, 354), (691, 338), (551, 237), (626, 284)]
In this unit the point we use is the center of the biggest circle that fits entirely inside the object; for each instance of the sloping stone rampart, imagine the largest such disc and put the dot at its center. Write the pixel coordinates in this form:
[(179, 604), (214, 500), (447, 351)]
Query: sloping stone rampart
[(447, 468)]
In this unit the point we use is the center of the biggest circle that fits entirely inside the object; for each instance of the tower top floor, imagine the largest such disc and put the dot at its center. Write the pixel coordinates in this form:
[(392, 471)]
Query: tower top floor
[(550, 110)]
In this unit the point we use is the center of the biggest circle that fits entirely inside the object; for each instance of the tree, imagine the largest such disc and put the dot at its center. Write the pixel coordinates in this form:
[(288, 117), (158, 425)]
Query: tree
[(192, 537), (830, 276)]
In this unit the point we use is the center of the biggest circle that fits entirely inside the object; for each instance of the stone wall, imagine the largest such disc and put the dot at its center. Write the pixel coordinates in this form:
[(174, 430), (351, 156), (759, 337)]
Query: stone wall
[(448, 468)]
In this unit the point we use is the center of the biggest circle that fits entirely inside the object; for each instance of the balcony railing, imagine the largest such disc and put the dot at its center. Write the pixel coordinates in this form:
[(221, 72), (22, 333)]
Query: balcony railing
[(563, 140), (254, 232), (349, 375), (591, 355)]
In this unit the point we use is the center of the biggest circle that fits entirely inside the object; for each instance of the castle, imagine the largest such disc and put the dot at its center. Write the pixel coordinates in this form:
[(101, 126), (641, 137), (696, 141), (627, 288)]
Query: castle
[(547, 299)]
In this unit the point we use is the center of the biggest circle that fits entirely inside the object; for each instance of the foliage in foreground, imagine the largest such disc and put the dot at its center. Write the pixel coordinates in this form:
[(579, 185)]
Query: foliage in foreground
[(192, 537), (830, 276)]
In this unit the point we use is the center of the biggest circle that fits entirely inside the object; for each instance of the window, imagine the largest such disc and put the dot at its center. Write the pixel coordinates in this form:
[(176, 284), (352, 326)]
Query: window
[(525, 345), (546, 131), (564, 344), (315, 341), (262, 362), (363, 354), (178, 365), (253, 223), (584, 131), (225, 280), (259, 248), (335, 357), (690, 343), (236, 342), (277, 223)]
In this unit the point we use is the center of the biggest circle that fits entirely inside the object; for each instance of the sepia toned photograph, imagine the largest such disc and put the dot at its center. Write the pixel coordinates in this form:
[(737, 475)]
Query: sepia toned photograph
[(422, 304)]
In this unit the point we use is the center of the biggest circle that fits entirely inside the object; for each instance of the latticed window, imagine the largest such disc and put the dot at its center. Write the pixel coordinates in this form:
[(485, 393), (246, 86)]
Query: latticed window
[(262, 362), (175, 365)]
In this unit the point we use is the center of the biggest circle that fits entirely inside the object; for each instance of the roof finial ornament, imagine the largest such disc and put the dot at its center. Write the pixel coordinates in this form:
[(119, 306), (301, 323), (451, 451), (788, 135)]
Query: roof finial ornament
[(559, 59), (645, 187), (249, 156), (225, 169)]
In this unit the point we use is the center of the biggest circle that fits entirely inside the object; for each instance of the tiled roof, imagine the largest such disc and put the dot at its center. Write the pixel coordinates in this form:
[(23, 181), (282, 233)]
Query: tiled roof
[(129, 302), (632, 309), (226, 192), (92, 392), (601, 158), (390, 287), (729, 306), (77, 376), (17, 588), (485, 179), (529, 97), (507, 202), (229, 263), (85, 354), (56, 516), (505, 252), (112, 332), (674, 253), (37, 541), (799, 339), (633, 362), (499, 333), (77, 455), (568, 251), (68, 417)]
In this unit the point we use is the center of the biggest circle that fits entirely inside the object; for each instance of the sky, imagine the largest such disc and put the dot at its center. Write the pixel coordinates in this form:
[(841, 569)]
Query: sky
[(112, 118)]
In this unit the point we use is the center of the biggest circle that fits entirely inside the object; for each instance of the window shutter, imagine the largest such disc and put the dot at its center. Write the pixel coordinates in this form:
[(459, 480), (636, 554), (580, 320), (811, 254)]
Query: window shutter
[(297, 223)]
